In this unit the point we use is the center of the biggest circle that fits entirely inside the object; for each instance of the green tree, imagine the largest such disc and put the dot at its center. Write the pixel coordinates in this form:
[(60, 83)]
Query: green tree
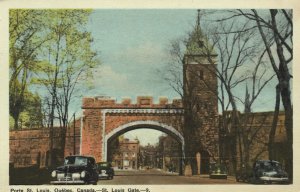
[(25, 40), (68, 59)]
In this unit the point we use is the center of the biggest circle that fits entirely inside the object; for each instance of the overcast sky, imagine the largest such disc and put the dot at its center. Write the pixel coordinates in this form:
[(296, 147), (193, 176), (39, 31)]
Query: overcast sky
[(133, 46)]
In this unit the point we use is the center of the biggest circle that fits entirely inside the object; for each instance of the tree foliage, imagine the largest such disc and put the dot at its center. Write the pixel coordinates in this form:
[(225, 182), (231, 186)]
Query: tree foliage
[(25, 40), (50, 52), (68, 59)]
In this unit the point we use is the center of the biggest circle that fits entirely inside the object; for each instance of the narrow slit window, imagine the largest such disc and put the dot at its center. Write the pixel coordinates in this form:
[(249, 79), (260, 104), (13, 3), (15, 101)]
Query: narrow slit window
[(200, 74)]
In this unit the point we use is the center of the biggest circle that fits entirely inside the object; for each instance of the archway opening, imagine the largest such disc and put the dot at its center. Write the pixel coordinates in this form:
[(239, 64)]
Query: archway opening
[(204, 166), (144, 147)]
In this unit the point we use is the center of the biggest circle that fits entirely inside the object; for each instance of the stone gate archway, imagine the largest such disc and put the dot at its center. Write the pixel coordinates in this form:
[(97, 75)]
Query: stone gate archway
[(104, 118)]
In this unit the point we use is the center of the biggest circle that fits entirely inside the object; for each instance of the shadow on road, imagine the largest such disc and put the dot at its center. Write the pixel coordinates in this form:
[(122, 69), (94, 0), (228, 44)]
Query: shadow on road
[(151, 172), (29, 176)]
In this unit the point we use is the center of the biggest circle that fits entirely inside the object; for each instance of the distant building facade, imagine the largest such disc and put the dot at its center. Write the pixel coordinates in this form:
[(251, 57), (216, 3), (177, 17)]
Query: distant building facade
[(126, 155), (149, 157)]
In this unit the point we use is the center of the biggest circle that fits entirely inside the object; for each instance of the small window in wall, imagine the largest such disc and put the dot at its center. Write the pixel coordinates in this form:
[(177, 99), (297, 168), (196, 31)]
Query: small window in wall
[(200, 74), (125, 162)]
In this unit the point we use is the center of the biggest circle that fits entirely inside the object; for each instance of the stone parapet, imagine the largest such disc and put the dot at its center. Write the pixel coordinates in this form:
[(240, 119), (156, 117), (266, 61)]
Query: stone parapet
[(141, 102)]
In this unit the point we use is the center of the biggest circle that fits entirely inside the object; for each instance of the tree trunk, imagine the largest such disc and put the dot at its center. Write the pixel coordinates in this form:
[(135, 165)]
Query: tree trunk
[(16, 123), (285, 94), (283, 76), (284, 82), (274, 124)]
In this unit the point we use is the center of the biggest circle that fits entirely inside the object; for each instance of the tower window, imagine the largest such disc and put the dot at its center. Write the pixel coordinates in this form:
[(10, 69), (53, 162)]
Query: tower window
[(200, 74), (200, 43)]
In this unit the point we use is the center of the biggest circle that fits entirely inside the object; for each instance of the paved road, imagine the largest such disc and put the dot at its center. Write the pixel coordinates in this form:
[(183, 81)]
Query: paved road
[(156, 177)]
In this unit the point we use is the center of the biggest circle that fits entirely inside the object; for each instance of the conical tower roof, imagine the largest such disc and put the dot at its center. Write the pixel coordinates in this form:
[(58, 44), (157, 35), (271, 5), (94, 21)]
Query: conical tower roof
[(198, 43)]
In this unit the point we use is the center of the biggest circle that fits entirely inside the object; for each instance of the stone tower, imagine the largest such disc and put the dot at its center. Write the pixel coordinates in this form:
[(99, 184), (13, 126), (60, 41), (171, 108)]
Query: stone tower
[(200, 99)]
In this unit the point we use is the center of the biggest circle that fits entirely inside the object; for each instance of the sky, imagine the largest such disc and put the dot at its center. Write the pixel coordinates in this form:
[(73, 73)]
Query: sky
[(133, 47)]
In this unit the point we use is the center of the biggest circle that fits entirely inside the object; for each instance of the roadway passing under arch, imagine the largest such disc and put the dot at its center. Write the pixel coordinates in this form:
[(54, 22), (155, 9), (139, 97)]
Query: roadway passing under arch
[(144, 124)]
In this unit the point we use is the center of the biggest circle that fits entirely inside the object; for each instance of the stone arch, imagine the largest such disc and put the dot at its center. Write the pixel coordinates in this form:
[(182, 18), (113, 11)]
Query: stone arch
[(144, 124)]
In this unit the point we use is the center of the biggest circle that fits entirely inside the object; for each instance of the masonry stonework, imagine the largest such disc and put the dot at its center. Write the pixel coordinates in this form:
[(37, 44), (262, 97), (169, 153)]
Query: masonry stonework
[(103, 116), (201, 109), (30, 147)]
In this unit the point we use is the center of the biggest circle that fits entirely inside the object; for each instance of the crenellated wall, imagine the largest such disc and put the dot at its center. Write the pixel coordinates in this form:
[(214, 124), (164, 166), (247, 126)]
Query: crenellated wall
[(103, 116), (141, 102)]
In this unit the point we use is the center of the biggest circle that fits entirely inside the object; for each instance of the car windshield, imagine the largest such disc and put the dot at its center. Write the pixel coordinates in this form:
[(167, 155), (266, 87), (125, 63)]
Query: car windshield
[(270, 166), (75, 161)]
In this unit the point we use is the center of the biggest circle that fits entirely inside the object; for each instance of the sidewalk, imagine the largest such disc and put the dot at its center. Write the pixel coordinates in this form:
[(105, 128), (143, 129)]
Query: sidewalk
[(231, 178)]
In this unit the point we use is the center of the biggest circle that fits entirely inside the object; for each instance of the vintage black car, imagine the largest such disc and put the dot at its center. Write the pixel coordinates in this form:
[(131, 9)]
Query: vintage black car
[(217, 171), (269, 171), (263, 171), (105, 170), (76, 170)]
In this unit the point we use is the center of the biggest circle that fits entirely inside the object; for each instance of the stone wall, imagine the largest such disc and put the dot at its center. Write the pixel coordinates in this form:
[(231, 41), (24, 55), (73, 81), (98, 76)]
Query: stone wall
[(262, 122), (142, 102), (254, 128), (30, 147), (69, 146)]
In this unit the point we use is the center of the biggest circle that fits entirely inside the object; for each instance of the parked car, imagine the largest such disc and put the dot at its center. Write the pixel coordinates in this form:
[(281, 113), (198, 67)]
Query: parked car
[(269, 171), (105, 170), (76, 170), (217, 171), (263, 171)]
